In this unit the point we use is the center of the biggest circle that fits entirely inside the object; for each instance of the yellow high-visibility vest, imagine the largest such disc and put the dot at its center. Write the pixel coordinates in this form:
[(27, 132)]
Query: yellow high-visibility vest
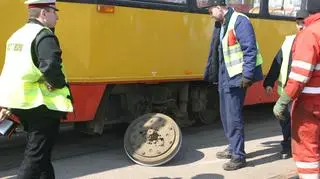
[(286, 49), (21, 82), (233, 55)]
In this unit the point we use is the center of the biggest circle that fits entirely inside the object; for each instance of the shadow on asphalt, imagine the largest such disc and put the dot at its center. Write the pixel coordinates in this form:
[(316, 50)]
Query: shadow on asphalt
[(70, 144), (272, 152), (200, 176)]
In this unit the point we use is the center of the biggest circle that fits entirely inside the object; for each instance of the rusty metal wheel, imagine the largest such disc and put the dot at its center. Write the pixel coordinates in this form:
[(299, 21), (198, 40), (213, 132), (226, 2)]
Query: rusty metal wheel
[(152, 139)]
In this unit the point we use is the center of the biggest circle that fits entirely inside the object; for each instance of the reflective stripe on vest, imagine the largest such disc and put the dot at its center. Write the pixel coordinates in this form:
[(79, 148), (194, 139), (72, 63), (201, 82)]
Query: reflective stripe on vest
[(286, 49), (233, 55), (21, 82)]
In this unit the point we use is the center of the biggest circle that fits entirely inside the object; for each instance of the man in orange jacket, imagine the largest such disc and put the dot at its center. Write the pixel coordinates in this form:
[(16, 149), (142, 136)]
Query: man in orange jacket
[(303, 88)]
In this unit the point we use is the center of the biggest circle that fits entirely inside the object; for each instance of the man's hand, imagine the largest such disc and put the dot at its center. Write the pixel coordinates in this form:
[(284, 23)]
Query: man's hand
[(281, 106), (269, 90), (49, 86), (245, 82), (4, 114)]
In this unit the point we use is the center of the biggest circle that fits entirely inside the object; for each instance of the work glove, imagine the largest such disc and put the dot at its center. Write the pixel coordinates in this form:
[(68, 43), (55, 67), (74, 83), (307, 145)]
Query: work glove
[(281, 105), (245, 82)]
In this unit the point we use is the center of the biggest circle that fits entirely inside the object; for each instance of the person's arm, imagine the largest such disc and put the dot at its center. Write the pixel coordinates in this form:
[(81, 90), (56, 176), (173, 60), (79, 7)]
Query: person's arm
[(305, 55), (274, 71), (48, 53), (211, 57), (247, 40)]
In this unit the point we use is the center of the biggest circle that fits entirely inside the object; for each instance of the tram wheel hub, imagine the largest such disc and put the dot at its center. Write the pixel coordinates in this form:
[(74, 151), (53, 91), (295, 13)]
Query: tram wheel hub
[(152, 139)]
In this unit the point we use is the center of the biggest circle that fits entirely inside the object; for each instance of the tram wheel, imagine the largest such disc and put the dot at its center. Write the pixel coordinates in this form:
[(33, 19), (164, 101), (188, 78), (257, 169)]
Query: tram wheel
[(206, 117), (152, 139)]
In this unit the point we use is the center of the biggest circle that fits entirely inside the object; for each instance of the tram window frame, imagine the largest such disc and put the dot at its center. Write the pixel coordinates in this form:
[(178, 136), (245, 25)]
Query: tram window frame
[(263, 11), (149, 4), (145, 4), (156, 2), (80, 1), (283, 6), (189, 7), (200, 10)]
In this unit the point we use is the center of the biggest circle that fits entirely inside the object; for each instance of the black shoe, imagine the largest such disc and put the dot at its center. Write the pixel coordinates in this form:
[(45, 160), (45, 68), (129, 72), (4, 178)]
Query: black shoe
[(234, 164), (285, 154), (226, 154)]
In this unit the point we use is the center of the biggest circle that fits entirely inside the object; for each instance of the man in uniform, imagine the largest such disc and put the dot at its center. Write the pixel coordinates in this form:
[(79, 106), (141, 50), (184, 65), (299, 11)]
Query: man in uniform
[(280, 70), (234, 63), (33, 87), (303, 88)]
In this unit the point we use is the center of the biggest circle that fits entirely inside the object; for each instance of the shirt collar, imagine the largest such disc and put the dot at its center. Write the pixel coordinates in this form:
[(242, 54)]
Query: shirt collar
[(227, 16)]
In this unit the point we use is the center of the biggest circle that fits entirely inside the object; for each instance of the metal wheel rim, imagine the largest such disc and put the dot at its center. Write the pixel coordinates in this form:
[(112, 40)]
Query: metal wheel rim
[(158, 160)]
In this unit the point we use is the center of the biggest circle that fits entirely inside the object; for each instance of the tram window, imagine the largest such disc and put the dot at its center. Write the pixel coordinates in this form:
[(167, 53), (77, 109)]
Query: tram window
[(244, 6), (169, 1), (286, 8), (176, 1)]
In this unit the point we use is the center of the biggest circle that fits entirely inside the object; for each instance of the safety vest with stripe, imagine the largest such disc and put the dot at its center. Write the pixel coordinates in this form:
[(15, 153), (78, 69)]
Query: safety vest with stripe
[(232, 53), (286, 51), (22, 84)]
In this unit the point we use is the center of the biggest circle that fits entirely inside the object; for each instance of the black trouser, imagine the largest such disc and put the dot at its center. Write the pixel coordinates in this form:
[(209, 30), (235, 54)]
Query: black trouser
[(42, 128), (286, 130)]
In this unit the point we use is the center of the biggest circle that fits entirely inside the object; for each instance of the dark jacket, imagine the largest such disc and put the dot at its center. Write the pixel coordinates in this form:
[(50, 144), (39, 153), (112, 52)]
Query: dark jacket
[(46, 55), (274, 71), (246, 37), (212, 67)]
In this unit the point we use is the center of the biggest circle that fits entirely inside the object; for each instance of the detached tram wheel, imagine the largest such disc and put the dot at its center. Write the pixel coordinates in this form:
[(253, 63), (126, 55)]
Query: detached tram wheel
[(152, 139)]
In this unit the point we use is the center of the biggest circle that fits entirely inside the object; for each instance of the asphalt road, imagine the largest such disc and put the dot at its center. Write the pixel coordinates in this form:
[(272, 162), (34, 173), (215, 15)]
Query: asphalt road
[(80, 156)]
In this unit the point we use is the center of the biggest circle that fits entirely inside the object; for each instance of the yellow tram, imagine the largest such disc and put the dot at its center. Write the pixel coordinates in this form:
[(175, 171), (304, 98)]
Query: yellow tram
[(127, 58)]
